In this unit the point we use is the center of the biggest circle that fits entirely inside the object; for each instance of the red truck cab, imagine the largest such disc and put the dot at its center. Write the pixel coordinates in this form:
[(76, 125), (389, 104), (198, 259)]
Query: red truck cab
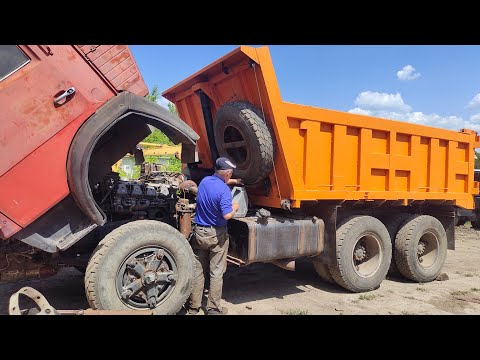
[(61, 111)]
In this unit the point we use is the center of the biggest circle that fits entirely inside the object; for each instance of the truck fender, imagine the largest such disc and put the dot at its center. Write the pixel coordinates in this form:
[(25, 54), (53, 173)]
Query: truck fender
[(120, 107)]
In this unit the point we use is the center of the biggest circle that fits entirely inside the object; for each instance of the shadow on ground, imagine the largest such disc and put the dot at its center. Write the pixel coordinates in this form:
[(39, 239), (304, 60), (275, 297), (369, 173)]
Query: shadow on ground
[(265, 281), (241, 285), (64, 291)]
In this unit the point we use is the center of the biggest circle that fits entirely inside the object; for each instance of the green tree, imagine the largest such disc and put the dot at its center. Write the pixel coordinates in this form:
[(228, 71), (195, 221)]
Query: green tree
[(153, 96), (477, 160), (156, 137), (172, 108)]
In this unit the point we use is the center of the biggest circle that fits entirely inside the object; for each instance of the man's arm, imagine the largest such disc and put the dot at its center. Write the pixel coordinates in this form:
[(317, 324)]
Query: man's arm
[(238, 182), (228, 209), (230, 215)]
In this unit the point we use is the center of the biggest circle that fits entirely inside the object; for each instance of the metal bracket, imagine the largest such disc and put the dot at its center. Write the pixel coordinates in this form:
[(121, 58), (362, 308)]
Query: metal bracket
[(42, 303)]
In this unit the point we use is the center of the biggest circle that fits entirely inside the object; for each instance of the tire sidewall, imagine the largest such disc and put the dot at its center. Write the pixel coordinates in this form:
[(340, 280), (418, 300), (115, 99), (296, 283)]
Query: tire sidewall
[(231, 115), (393, 225), (368, 225), (434, 226), (323, 271), (128, 241)]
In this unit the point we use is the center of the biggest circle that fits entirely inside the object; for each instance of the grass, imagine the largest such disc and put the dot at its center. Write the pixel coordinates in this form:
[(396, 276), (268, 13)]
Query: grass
[(422, 289), (295, 312), (459, 293), (469, 275), (405, 313), (366, 297), (474, 289), (172, 164)]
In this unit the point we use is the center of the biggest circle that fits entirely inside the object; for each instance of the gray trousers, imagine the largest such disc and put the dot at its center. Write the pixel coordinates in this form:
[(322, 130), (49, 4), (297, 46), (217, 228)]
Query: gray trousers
[(210, 247)]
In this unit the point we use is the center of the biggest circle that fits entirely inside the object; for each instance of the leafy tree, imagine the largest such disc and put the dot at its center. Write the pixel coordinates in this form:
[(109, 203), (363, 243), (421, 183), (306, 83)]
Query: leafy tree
[(172, 108), (156, 137), (477, 160), (153, 96), (174, 164)]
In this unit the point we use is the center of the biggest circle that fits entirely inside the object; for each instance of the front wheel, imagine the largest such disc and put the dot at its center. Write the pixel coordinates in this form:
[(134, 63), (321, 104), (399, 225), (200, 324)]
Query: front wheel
[(140, 265)]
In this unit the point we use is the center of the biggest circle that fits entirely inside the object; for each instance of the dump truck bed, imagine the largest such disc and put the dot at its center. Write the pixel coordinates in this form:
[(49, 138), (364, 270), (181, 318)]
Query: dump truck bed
[(324, 154)]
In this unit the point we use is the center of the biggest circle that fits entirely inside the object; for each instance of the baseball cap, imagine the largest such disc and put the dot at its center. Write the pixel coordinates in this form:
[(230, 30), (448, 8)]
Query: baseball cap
[(224, 163)]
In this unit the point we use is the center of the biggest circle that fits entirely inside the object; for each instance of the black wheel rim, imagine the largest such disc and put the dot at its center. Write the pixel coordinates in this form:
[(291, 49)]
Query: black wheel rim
[(236, 145), (151, 288)]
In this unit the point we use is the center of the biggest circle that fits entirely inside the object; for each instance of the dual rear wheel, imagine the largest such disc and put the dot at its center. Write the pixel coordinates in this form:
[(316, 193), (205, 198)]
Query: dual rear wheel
[(367, 249)]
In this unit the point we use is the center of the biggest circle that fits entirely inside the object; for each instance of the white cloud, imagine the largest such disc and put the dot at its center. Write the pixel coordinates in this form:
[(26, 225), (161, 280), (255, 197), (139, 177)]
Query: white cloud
[(415, 117), (381, 101), (475, 117), (474, 102), (162, 102), (408, 73)]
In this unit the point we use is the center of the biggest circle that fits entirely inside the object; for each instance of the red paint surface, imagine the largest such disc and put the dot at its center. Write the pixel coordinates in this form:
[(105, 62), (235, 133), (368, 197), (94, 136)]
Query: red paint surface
[(35, 135), (7, 227)]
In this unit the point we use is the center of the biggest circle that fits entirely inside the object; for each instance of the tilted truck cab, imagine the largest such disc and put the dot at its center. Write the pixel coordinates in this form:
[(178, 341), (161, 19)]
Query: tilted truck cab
[(48, 137), (68, 114)]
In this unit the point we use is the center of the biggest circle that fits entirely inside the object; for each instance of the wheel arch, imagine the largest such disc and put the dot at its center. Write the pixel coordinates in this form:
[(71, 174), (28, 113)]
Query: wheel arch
[(134, 114)]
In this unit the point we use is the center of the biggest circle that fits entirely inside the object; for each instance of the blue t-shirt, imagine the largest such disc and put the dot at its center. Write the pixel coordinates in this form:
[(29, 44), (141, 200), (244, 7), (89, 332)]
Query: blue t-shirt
[(214, 200)]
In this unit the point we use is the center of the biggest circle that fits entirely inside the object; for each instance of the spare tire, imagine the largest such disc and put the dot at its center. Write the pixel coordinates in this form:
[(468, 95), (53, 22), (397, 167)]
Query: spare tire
[(242, 135)]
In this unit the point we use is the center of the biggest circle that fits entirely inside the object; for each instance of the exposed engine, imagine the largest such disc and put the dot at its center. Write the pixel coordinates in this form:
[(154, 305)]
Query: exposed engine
[(154, 196)]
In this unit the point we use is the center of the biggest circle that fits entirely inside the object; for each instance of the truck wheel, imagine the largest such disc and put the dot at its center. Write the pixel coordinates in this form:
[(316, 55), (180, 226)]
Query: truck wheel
[(421, 248), (393, 224), (460, 220), (475, 224), (141, 265), (363, 252), (242, 135), (324, 272)]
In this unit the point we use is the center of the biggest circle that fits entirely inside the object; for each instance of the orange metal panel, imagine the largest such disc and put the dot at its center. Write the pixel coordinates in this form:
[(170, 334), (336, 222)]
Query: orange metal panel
[(325, 154)]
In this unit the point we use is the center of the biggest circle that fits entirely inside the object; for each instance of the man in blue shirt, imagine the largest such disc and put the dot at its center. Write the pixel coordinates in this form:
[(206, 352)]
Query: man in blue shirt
[(210, 240)]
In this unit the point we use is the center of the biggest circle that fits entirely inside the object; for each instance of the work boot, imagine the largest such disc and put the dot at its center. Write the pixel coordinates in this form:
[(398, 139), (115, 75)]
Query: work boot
[(224, 311)]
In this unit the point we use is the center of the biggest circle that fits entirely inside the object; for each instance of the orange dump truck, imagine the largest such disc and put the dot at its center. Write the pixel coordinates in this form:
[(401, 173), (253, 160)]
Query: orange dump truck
[(347, 191)]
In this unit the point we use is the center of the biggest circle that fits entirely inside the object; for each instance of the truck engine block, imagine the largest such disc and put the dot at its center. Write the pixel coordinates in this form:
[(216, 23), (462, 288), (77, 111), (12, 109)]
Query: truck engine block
[(153, 196)]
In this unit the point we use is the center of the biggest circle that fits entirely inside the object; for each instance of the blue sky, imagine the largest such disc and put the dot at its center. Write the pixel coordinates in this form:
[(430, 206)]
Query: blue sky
[(430, 85)]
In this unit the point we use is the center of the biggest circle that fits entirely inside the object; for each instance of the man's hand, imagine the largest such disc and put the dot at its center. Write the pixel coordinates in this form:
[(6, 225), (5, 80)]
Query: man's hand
[(230, 215), (238, 182)]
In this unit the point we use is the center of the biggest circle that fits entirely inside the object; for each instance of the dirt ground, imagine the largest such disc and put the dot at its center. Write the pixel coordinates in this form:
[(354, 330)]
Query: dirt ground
[(267, 289)]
